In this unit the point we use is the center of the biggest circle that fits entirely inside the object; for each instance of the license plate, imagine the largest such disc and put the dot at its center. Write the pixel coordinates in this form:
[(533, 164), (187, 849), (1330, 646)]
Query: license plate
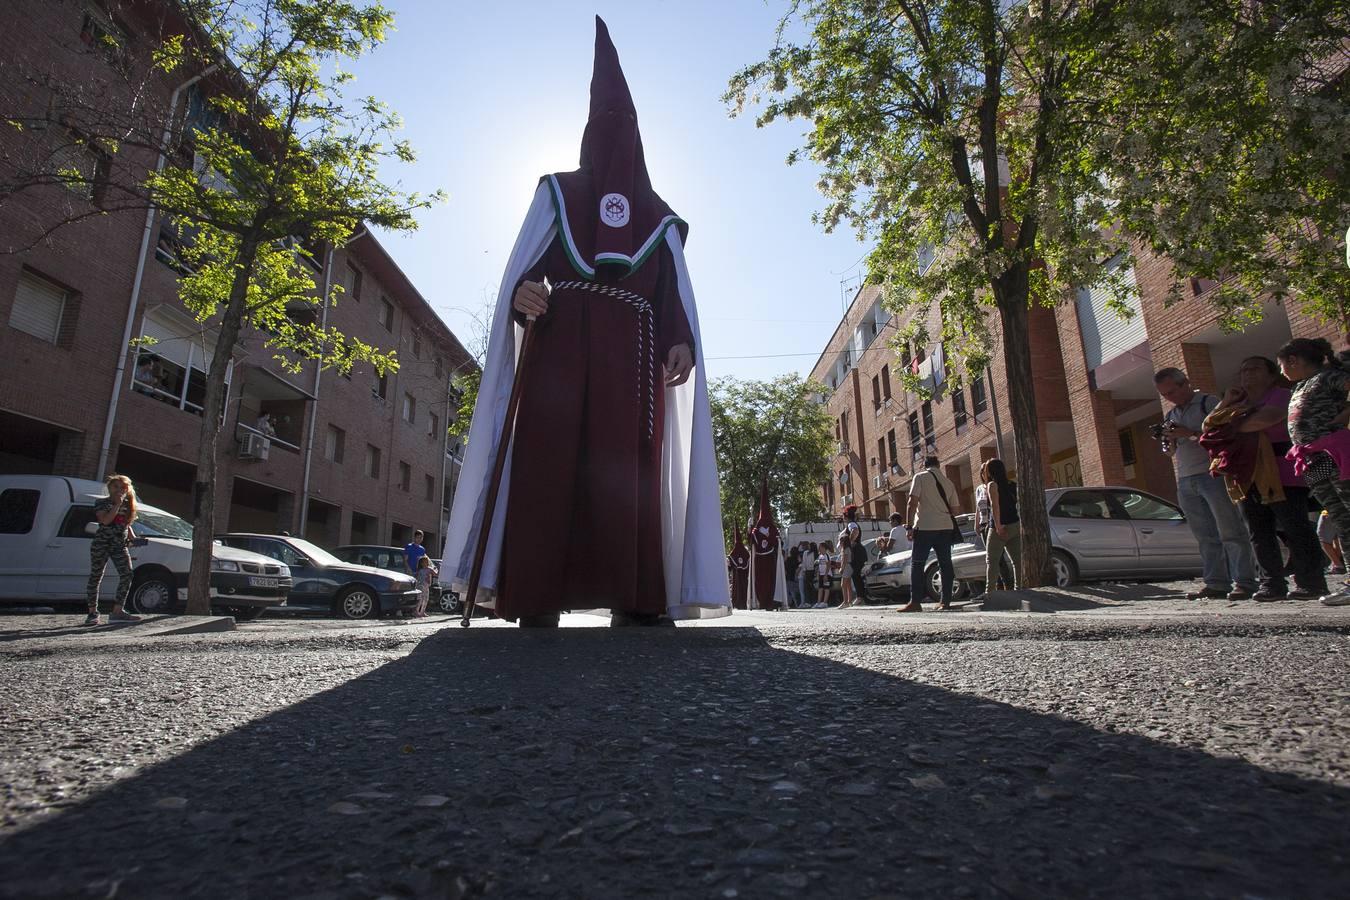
[(255, 581)]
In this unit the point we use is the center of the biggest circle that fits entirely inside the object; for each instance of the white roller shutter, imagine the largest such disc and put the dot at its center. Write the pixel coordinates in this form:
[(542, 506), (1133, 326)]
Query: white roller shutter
[(38, 305), (175, 344), (1105, 334)]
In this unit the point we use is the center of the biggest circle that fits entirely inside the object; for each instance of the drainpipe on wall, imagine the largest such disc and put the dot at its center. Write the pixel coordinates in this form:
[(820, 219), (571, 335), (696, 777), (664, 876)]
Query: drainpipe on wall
[(318, 374), (105, 448), (993, 405)]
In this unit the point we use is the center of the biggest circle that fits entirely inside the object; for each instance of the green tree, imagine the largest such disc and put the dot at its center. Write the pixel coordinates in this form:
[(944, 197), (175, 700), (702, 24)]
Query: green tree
[(275, 163), (991, 150), (776, 429)]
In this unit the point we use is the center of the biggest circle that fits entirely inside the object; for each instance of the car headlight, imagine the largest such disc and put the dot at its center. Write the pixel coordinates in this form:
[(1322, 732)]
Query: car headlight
[(224, 565)]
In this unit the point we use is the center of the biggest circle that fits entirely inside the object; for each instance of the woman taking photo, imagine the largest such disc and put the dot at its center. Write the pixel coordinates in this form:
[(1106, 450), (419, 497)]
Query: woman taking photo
[(114, 514), (1321, 443), (1005, 528)]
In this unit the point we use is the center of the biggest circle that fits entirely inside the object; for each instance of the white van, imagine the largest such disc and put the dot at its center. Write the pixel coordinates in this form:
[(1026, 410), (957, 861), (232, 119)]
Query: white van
[(47, 523)]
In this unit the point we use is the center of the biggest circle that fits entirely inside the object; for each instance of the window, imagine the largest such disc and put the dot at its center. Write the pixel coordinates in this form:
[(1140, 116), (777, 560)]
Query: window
[(18, 509), (905, 358), (430, 486), (353, 282), (890, 444), (1083, 505), (334, 444), (81, 167), (843, 427), (1142, 506), (929, 437), (409, 408), (417, 344), (381, 388), (405, 476), (372, 461), (173, 370), (99, 33), (915, 435), (881, 455), (959, 408), (38, 307), (978, 402), (1127, 456), (77, 517), (386, 314), (886, 381), (876, 392), (433, 425), (440, 368)]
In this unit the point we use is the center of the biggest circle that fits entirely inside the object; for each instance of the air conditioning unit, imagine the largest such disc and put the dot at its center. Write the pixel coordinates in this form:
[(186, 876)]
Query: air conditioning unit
[(254, 446)]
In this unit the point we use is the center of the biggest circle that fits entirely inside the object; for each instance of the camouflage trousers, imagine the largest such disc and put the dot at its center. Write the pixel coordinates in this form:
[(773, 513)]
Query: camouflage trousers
[(109, 544)]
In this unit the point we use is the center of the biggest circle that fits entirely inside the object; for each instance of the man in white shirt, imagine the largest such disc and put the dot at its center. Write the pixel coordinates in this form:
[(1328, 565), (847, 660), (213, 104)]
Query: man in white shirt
[(897, 540), (930, 522)]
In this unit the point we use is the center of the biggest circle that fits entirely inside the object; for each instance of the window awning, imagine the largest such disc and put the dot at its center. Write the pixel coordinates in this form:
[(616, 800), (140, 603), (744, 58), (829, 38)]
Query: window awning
[(264, 384)]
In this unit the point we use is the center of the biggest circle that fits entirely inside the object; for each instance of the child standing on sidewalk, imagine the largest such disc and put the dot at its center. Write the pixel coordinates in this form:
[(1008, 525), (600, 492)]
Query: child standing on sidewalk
[(425, 572)]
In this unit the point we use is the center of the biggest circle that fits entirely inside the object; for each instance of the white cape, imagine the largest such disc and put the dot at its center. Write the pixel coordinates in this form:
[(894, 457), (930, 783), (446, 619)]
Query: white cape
[(693, 551)]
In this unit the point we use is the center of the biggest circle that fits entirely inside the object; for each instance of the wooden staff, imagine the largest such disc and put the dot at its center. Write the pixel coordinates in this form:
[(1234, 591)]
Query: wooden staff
[(508, 427)]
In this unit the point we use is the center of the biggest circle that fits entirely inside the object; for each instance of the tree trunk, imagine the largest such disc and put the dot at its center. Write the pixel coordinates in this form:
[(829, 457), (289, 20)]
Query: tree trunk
[(1010, 292), (203, 491)]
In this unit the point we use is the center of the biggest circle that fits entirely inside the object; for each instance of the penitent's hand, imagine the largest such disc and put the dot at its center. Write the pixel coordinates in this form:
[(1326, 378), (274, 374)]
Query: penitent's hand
[(531, 299), (679, 363)]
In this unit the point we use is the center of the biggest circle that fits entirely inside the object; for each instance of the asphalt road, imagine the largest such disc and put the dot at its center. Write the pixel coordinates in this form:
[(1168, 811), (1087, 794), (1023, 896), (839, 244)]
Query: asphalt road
[(1128, 745)]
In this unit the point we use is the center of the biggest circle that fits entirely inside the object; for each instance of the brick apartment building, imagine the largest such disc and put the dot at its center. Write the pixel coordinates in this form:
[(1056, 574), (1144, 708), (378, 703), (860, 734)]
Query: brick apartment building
[(355, 458), (1093, 380)]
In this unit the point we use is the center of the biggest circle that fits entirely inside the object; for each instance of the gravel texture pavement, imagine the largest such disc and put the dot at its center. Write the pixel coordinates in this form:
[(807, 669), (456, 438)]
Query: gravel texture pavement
[(1129, 744)]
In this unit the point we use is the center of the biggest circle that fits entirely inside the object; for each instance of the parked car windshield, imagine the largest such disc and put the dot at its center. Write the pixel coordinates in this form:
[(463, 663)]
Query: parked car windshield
[(161, 524), (316, 553)]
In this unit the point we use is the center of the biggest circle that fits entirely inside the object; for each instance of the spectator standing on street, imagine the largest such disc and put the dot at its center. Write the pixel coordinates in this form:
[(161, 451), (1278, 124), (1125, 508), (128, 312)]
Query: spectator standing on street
[(413, 553), (931, 527), (1317, 417), (858, 561), (1225, 544), (425, 572), (806, 575), (1262, 406), (790, 566), (846, 567), (115, 514), (823, 576), (1005, 528), (1331, 545), (982, 509)]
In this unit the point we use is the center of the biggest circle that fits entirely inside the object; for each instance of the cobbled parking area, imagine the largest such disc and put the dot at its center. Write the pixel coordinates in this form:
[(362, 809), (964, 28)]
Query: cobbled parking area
[(1126, 744)]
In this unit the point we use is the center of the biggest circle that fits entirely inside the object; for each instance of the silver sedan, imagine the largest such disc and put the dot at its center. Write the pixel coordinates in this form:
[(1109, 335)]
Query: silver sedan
[(1095, 533)]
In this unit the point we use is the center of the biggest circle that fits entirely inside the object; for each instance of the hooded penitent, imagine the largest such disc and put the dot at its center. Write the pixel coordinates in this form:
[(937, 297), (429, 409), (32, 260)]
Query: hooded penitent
[(768, 582), (609, 495), (739, 560)]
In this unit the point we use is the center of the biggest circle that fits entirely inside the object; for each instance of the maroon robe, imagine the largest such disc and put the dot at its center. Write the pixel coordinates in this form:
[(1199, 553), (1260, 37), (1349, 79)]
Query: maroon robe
[(739, 560), (764, 545), (583, 525), (583, 519)]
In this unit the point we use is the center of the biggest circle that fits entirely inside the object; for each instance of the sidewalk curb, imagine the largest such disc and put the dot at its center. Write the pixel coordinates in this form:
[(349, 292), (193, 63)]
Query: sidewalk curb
[(184, 625)]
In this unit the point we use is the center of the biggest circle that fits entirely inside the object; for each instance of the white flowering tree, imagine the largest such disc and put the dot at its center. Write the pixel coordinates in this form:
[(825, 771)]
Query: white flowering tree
[(1000, 153)]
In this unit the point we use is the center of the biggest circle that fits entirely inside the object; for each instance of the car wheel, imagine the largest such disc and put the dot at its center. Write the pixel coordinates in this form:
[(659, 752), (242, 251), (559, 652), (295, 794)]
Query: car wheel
[(1065, 569), (357, 603), (959, 588), (448, 602), (153, 595)]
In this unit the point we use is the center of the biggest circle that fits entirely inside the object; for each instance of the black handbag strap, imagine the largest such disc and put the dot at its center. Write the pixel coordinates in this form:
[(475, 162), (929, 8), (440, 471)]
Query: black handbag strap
[(943, 494)]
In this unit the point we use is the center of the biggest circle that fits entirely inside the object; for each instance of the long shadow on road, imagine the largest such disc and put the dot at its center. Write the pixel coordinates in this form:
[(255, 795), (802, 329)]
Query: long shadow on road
[(686, 762)]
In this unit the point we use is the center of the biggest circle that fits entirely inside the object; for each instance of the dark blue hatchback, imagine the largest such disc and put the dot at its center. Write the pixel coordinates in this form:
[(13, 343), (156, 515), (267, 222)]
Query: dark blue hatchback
[(323, 583)]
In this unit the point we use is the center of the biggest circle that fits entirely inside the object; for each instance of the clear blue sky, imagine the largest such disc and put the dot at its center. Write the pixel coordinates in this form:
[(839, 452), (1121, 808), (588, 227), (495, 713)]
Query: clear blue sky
[(495, 94)]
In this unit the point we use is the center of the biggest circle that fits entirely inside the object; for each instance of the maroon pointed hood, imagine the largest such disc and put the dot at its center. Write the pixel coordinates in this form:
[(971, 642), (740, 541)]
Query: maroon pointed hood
[(611, 218), (739, 555), (765, 535)]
